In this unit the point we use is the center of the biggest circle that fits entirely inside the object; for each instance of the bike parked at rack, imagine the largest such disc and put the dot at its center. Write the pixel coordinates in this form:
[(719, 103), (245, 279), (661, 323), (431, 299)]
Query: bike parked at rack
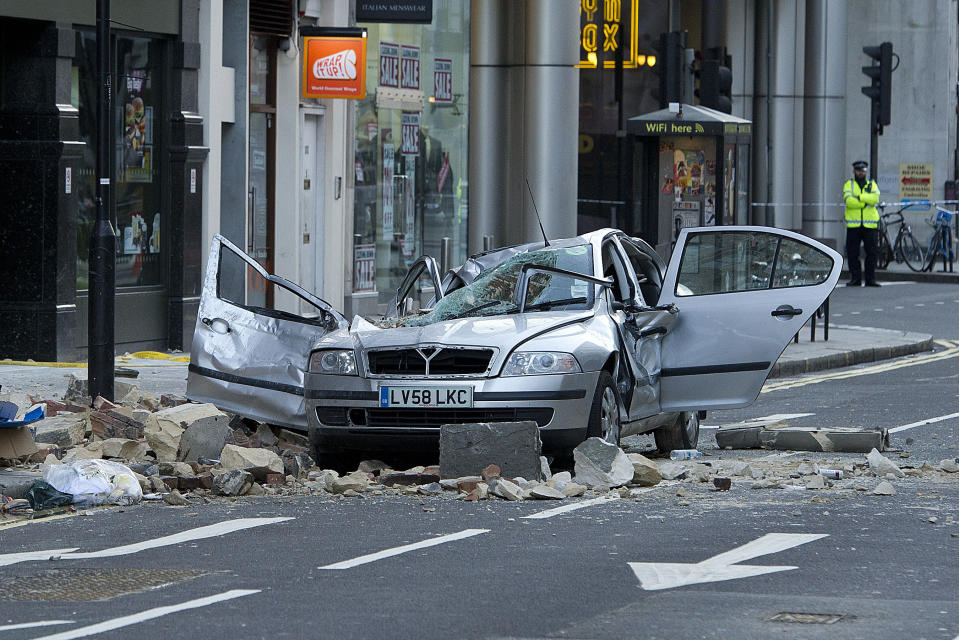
[(905, 248), (940, 244)]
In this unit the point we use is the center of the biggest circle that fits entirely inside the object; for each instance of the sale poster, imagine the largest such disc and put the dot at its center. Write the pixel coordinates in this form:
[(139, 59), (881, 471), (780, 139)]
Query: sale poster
[(388, 172)]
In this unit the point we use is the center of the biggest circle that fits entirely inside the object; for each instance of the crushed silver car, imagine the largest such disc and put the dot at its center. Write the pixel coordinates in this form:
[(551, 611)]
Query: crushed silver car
[(586, 336)]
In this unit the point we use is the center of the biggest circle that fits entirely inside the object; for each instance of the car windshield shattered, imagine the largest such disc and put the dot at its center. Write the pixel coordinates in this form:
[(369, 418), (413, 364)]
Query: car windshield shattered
[(491, 293)]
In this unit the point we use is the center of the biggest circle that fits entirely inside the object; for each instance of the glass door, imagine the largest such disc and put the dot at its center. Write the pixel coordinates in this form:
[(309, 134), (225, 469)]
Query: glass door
[(260, 173)]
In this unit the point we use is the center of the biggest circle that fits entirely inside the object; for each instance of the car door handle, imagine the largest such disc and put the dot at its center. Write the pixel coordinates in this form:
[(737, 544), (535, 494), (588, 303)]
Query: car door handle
[(652, 331), (218, 325), (785, 310)]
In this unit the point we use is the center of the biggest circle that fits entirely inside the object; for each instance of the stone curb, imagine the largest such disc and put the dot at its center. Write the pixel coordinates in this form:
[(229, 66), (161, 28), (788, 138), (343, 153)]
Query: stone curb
[(936, 277), (783, 369)]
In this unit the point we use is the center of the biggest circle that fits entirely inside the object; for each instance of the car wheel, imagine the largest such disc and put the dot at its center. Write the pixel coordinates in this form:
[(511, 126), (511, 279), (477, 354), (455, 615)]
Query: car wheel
[(604, 419), (683, 433)]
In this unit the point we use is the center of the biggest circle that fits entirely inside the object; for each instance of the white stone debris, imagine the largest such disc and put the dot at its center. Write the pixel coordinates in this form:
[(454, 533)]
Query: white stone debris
[(884, 488), (645, 471), (882, 466), (949, 465), (598, 463)]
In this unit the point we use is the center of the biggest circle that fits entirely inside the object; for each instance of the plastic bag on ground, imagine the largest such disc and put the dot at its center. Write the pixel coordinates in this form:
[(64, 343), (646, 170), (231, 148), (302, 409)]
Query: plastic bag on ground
[(44, 496), (95, 482)]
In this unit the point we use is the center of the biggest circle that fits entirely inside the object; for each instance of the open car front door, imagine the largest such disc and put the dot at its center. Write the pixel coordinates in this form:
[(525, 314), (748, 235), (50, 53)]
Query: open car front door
[(249, 353), (742, 294)]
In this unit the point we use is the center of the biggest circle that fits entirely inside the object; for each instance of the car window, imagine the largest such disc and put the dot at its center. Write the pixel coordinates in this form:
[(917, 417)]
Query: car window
[(648, 274), (240, 284), (492, 291), (725, 262), (799, 265)]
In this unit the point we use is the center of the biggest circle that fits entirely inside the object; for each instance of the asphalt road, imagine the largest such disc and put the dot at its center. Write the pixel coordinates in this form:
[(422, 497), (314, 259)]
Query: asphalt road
[(875, 566)]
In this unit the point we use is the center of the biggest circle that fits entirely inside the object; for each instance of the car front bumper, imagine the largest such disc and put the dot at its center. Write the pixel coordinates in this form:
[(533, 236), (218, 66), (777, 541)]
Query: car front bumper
[(344, 412)]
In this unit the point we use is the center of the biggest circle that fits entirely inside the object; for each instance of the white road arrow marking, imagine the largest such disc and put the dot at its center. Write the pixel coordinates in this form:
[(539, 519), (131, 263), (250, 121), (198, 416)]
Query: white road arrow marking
[(199, 533), (667, 575)]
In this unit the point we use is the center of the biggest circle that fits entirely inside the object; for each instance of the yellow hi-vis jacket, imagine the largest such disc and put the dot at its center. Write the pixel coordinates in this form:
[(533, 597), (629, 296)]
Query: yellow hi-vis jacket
[(861, 204)]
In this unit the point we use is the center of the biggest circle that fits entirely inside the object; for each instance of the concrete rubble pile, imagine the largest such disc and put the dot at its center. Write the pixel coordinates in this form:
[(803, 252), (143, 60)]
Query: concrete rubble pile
[(187, 453)]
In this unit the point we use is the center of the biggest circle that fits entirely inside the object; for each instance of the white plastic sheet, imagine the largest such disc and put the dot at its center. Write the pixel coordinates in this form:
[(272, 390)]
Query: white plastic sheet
[(95, 482)]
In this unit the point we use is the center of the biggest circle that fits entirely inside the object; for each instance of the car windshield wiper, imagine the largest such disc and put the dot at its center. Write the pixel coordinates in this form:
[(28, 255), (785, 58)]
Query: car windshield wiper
[(557, 303), (485, 305)]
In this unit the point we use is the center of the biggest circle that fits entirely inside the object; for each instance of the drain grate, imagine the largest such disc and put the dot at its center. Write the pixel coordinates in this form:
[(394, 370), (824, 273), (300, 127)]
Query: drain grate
[(809, 618), (91, 584)]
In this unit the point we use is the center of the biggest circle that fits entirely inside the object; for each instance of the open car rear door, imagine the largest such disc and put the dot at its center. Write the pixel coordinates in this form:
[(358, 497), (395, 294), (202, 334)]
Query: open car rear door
[(249, 353), (742, 294)]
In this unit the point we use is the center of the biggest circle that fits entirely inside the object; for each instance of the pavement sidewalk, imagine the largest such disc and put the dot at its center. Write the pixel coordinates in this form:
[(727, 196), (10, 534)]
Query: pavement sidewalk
[(899, 272)]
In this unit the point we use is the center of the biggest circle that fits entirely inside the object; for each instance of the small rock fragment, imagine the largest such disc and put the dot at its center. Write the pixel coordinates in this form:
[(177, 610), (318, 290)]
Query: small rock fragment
[(232, 483), (884, 489), (490, 472), (816, 482), (175, 498), (672, 471), (573, 490), (949, 465), (357, 481), (882, 466), (545, 492), (560, 480), (645, 471), (506, 489)]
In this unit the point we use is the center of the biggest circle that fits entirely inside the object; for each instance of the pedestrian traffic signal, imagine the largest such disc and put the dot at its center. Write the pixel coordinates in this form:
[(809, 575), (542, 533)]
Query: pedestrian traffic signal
[(880, 89), (716, 80), (669, 64)]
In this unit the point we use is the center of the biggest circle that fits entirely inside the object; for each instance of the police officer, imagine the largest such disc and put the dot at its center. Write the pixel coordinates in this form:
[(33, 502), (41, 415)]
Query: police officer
[(862, 224)]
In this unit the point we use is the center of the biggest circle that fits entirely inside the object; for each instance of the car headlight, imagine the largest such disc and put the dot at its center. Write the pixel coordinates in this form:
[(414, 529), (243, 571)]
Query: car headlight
[(333, 361), (524, 363)]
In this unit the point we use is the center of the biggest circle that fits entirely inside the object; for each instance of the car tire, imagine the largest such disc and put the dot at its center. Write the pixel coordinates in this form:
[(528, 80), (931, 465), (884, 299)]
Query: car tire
[(682, 433), (604, 419)]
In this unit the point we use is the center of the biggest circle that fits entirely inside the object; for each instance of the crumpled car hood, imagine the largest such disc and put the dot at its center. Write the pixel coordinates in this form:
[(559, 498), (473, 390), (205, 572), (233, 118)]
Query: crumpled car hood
[(503, 331)]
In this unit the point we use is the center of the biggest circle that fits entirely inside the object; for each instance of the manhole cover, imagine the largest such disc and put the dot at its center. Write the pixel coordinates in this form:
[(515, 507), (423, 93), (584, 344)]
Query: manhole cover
[(91, 584), (810, 618)]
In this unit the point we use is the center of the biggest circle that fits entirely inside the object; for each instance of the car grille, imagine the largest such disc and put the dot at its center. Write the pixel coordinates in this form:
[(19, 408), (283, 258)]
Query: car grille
[(333, 416), (435, 418), (431, 361)]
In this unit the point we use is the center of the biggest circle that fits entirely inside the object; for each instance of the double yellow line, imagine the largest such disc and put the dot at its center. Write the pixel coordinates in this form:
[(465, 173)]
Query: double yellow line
[(124, 359), (950, 350)]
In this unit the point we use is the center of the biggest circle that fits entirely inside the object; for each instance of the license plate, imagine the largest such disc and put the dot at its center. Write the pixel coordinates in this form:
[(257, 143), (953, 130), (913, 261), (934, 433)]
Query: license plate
[(430, 397)]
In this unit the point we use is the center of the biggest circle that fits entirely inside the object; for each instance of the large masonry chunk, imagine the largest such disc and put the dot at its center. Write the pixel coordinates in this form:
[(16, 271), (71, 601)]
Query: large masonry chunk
[(206, 434), (259, 462), (63, 431), (465, 449), (601, 464)]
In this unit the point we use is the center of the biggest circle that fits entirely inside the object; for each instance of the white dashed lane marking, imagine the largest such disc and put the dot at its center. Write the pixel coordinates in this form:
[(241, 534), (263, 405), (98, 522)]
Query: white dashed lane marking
[(406, 548), (149, 614), (31, 625), (924, 422)]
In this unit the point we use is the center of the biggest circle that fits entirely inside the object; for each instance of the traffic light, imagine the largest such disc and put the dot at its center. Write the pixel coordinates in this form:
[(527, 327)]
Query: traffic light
[(716, 80), (669, 67), (880, 90)]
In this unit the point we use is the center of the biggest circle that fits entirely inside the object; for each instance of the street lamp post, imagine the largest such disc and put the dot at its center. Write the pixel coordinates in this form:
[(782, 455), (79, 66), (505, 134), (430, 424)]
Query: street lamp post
[(103, 239)]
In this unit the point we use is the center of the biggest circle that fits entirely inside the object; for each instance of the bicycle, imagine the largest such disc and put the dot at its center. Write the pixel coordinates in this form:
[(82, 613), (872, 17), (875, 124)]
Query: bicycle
[(905, 248), (940, 244)]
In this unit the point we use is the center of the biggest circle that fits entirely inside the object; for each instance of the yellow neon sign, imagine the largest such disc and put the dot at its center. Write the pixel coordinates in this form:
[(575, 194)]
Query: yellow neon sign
[(605, 31)]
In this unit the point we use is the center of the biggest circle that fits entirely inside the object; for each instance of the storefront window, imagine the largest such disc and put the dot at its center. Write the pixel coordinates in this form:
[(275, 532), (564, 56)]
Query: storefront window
[(411, 156), (136, 143)]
